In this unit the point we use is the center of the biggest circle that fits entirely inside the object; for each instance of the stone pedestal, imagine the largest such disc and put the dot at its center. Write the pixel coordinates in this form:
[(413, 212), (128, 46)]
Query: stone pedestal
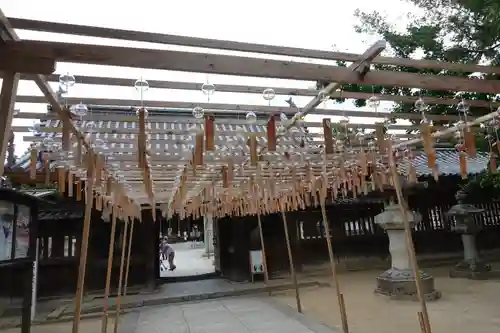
[(471, 267), (208, 223), (398, 282)]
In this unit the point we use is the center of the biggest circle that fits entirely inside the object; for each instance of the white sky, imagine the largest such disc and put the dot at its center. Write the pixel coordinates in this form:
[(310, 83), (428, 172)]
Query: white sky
[(315, 24)]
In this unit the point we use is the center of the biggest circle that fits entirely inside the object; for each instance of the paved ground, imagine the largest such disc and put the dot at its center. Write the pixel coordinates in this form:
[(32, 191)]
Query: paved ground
[(172, 293), (189, 261), (234, 315), (466, 306), (184, 291)]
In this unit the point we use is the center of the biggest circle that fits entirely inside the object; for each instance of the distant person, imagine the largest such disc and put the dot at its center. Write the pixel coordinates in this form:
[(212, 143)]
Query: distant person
[(197, 234), (162, 249), (168, 253)]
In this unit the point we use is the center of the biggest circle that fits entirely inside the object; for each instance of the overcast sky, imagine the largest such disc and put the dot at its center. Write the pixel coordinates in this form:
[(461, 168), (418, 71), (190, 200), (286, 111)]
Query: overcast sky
[(315, 24)]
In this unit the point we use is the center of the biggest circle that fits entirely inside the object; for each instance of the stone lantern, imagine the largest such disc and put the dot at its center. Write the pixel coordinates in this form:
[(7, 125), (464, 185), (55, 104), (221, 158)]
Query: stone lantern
[(471, 266), (398, 282)]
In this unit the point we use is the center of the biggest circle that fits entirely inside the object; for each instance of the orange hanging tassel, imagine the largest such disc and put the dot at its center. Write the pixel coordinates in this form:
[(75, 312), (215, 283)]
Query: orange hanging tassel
[(463, 164), (493, 163), (470, 142), (497, 144), (33, 162)]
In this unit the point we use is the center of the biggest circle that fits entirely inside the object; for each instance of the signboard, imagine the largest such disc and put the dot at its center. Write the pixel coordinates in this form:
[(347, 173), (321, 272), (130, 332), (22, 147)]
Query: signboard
[(35, 280), (256, 262)]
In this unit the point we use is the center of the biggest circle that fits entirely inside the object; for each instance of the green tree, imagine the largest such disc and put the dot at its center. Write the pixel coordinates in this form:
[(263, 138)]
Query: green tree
[(461, 31)]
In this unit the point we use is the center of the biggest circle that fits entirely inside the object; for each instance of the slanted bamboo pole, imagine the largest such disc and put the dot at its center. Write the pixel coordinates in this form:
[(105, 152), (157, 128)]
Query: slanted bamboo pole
[(131, 235), (263, 246), (333, 266), (120, 281), (290, 260), (89, 201), (423, 315), (111, 251)]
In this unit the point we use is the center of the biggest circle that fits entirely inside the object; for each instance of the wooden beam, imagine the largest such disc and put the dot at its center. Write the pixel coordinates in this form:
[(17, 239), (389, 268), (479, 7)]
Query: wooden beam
[(10, 37), (226, 108), (160, 84), (369, 54), (26, 63), (7, 101), (48, 92), (149, 37), (128, 153), (365, 59), (241, 66)]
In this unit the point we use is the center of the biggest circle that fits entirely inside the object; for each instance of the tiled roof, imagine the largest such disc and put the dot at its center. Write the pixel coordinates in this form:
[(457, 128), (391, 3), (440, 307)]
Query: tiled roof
[(169, 133), (169, 136), (448, 162)]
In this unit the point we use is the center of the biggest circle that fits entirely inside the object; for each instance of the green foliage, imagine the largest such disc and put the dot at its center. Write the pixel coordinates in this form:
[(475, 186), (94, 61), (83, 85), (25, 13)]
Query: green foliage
[(482, 187), (458, 31), (489, 180)]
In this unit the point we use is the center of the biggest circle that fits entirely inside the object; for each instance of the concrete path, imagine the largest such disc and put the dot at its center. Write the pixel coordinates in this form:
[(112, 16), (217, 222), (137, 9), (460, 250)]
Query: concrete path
[(186, 292), (190, 261), (165, 295), (232, 315)]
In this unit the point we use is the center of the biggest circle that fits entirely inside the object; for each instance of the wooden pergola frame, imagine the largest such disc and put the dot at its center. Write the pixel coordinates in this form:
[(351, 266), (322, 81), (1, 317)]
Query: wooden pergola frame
[(265, 178)]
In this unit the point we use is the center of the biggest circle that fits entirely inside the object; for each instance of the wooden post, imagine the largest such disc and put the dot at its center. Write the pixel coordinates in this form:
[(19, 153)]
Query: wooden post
[(423, 315), (111, 251), (290, 260), (333, 265), (7, 101), (89, 200), (263, 246), (129, 251), (120, 281)]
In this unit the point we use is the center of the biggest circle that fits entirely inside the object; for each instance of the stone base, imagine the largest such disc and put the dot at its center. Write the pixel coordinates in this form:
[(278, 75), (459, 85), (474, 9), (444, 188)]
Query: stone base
[(473, 269), (400, 285), (208, 255)]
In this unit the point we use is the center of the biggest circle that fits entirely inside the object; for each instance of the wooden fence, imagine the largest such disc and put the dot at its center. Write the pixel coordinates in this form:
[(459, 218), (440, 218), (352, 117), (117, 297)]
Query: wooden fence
[(354, 232)]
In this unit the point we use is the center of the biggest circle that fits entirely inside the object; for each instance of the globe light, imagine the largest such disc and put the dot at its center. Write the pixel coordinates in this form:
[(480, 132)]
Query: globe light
[(251, 117), (420, 105), (198, 112), (268, 94), (67, 80), (373, 102), (208, 89), (141, 85), (79, 109)]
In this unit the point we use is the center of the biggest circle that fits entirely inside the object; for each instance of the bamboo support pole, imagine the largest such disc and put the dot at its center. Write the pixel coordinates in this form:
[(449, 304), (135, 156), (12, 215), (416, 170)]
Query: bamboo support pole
[(120, 281), (333, 265), (111, 250), (89, 200), (263, 246), (290, 261), (423, 315), (449, 131), (367, 56), (131, 235)]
